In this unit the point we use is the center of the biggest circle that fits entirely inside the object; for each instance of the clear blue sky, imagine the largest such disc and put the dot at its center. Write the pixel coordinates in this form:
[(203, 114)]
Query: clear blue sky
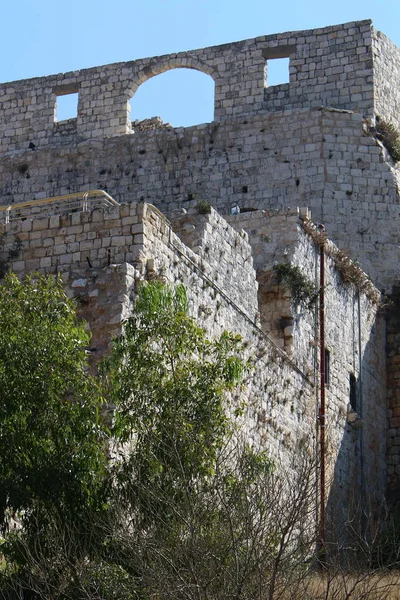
[(40, 37)]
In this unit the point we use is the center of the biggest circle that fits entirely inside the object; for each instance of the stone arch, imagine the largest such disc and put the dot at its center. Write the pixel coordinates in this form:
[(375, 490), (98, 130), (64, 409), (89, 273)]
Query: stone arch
[(167, 64), (159, 67)]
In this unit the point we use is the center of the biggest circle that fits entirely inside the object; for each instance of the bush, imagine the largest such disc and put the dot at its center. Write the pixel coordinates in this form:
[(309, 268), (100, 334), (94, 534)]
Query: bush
[(203, 207), (304, 292), (388, 134)]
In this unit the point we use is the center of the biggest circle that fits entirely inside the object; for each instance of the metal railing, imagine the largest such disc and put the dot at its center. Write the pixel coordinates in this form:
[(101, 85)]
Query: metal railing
[(57, 205)]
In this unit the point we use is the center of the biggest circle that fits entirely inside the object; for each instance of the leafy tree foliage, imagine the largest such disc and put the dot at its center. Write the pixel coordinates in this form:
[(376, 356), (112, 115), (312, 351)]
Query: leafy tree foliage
[(165, 387), (167, 382), (152, 498), (51, 428)]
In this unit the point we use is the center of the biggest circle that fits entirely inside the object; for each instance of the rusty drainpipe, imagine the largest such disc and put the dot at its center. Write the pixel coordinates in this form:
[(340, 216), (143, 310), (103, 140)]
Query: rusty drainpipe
[(322, 523)]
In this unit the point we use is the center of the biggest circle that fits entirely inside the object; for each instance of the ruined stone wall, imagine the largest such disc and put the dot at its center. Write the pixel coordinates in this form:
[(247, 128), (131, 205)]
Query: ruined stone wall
[(285, 393), (220, 297), (268, 148), (272, 235), (320, 159), (105, 299), (331, 66), (355, 340), (87, 242), (328, 67), (61, 243), (214, 250), (280, 391)]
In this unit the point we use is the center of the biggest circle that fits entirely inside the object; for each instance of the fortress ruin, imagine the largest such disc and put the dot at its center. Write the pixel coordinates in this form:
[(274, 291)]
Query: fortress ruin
[(215, 206)]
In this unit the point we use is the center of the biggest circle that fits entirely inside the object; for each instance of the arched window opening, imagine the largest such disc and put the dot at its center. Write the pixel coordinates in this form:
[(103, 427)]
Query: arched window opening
[(181, 97)]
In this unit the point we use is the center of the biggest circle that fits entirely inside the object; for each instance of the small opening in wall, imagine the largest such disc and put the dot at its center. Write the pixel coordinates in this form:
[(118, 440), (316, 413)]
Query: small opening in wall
[(353, 392), (66, 107), (327, 367), (277, 71)]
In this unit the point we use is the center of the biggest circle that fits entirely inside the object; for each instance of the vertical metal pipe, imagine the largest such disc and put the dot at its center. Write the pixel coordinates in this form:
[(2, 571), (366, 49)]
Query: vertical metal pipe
[(322, 511), (316, 380), (361, 416)]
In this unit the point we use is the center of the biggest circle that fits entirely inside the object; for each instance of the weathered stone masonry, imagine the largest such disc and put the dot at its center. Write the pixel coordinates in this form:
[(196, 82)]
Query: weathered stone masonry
[(103, 256), (302, 143), (331, 66), (306, 143)]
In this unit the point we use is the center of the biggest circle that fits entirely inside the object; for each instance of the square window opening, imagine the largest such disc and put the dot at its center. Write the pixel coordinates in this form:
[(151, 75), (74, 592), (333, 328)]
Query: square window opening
[(276, 71), (66, 107)]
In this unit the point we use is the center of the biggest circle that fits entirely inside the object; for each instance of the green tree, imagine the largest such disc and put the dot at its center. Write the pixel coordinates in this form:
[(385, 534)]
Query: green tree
[(168, 384), (164, 384), (164, 503), (51, 429)]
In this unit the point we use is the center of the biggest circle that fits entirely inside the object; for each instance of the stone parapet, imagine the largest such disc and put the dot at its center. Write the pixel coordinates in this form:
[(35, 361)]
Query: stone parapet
[(322, 159), (331, 66)]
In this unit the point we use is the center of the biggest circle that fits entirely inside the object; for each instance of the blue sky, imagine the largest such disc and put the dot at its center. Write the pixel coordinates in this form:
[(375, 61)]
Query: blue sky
[(40, 37)]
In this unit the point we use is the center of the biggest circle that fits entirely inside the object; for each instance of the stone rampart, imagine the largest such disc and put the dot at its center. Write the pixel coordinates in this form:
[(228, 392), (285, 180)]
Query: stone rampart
[(329, 67), (103, 256), (354, 338), (222, 295), (125, 234), (322, 159), (386, 57), (268, 147), (308, 142)]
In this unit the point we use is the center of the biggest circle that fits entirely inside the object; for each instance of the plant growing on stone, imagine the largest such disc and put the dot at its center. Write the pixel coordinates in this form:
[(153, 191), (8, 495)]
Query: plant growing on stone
[(167, 382), (203, 207), (303, 291), (349, 270), (389, 135)]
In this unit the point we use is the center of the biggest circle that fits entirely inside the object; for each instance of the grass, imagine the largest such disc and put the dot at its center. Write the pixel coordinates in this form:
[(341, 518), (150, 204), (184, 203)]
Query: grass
[(343, 586)]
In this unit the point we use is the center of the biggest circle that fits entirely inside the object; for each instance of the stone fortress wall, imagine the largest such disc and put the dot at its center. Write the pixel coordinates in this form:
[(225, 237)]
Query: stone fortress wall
[(104, 254), (302, 143), (386, 60), (319, 159), (309, 142), (329, 67)]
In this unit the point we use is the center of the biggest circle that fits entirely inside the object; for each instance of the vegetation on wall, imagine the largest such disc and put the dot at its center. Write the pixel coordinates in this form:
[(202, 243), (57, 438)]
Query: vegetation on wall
[(303, 291), (389, 135), (348, 269), (168, 383), (203, 207)]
